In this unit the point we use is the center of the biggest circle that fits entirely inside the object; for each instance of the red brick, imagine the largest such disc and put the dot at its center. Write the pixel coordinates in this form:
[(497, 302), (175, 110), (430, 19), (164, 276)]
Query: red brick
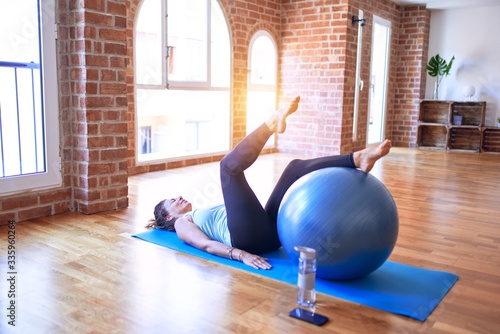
[(35, 212), (113, 154), (5, 217), (55, 196), (112, 34), (97, 5), (113, 128), (99, 61), (117, 8), (99, 19), (112, 88), (19, 201)]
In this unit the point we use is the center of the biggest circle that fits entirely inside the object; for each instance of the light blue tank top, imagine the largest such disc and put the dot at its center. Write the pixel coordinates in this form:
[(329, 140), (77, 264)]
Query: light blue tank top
[(213, 222)]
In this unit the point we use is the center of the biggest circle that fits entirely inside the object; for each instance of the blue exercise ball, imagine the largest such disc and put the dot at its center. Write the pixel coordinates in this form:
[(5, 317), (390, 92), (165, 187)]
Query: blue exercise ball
[(348, 216)]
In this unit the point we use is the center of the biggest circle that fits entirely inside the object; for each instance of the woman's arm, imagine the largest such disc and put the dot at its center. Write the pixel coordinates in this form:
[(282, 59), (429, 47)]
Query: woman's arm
[(188, 232)]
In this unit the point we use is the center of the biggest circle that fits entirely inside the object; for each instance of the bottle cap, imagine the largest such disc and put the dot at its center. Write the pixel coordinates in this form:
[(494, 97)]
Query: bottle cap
[(306, 253)]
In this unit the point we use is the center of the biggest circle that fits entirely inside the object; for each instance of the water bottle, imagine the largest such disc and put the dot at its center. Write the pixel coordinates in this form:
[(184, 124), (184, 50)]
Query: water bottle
[(307, 275)]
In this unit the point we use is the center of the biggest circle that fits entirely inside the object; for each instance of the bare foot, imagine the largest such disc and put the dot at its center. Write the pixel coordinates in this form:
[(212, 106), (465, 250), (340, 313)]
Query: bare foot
[(277, 122), (365, 159)]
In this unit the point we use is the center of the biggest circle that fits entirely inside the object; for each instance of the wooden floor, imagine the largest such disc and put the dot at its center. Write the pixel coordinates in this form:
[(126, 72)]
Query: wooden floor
[(85, 274)]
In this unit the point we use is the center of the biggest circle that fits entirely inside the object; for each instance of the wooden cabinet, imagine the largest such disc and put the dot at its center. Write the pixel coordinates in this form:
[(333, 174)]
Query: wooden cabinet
[(490, 140), (433, 123), (453, 125)]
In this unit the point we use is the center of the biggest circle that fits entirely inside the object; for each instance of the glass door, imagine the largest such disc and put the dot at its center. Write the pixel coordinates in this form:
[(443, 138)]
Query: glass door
[(378, 80)]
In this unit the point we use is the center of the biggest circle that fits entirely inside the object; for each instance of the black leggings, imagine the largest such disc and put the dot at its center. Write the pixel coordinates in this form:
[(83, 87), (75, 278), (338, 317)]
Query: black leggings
[(252, 227)]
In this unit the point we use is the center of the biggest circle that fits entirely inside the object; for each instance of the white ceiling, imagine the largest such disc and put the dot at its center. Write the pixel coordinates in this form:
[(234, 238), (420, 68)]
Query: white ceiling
[(449, 4)]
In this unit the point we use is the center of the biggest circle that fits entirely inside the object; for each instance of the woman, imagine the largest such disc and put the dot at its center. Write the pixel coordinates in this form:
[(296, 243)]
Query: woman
[(241, 228)]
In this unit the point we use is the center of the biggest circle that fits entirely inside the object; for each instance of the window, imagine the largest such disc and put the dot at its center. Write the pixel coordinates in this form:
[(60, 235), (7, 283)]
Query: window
[(262, 81), (145, 139), (148, 45), (182, 83), (29, 136), (188, 36)]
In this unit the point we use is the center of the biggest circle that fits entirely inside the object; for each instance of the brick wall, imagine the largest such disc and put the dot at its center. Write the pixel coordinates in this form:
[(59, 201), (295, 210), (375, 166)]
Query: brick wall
[(97, 48), (317, 49), (314, 63), (93, 115), (411, 74), (318, 55)]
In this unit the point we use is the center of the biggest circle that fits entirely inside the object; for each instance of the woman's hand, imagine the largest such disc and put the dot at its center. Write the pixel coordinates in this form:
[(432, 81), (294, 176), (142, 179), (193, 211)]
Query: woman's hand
[(254, 261), (188, 232)]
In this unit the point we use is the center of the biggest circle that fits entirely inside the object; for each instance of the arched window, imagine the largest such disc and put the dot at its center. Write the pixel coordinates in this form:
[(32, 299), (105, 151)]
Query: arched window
[(182, 64), (262, 78)]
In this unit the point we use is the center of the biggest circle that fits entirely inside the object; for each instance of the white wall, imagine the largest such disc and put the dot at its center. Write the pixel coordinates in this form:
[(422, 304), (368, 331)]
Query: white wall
[(472, 35)]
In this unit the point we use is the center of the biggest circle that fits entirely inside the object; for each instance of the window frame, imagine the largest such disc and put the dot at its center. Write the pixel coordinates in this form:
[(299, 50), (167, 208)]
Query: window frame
[(262, 87), (219, 83), (166, 81), (164, 52), (271, 88), (52, 177)]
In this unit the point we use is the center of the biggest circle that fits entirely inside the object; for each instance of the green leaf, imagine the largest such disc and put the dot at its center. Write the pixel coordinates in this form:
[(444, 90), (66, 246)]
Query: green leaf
[(437, 66), (448, 67)]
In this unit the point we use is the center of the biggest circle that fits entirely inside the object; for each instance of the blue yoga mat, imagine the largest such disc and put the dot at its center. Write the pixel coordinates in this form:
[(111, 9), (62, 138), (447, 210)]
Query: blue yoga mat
[(397, 288)]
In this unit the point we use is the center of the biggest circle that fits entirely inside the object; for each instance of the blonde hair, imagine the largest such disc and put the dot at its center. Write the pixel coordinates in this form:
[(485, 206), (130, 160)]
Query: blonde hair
[(151, 223)]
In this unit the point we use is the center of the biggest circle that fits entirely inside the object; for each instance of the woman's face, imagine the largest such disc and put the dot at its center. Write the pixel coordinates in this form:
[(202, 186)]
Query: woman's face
[(177, 206)]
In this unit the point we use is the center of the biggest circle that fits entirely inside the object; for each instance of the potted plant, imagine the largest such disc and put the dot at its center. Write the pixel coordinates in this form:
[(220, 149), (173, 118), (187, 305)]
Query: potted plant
[(438, 68), (498, 122)]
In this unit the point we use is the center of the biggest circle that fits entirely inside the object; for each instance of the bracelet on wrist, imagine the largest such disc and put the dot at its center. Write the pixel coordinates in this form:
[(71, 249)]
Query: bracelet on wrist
[(230, 253), (239, 256)]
